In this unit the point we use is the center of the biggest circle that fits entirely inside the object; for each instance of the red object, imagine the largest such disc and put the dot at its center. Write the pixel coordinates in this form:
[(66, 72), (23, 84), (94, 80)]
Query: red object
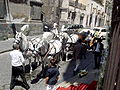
[(82, 86), (72, 87), (92, 86), (61, 88)]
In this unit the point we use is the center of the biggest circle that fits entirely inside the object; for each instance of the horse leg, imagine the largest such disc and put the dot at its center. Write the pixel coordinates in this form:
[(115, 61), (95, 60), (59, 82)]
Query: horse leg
[(30, 67), (39, 75), (38, 60), (35, 63)]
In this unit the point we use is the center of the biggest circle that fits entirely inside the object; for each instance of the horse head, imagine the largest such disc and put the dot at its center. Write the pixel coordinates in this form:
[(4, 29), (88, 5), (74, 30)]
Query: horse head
[(21, 39), (43, 47)]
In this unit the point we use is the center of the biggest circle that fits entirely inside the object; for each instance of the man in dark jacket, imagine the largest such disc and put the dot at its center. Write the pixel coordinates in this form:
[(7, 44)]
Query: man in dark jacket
[(52, 75), (98, 48), (77, 53)]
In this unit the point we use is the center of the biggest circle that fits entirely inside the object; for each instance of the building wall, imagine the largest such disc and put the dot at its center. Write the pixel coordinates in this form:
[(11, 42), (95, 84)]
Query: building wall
[(50, 10), (19, 11), (84, 9), (97, 11), (64, 12)]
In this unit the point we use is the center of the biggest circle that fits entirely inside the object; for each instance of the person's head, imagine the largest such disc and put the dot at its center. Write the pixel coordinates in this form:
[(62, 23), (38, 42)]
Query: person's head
[(53, 62), (99, 40), (79, 41), (16, 46), (12, 25)]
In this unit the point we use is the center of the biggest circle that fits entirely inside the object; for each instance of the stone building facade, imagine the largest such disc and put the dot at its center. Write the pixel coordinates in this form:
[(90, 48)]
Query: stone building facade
[(50, 11), (19, 11), (89, 13)]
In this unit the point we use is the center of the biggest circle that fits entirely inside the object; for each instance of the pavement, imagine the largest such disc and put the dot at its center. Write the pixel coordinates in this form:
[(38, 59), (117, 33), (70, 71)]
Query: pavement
[(6, 45), (64, 82)]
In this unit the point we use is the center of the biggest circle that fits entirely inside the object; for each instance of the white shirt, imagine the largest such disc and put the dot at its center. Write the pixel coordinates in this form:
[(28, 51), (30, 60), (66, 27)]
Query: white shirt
[(97, 47), (16, 58)]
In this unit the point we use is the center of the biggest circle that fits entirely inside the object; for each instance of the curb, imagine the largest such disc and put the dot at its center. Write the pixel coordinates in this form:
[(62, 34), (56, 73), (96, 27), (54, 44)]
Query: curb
[(1, 52)]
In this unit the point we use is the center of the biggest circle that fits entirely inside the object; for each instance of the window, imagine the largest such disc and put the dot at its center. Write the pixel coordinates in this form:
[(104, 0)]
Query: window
[(73, 15), (103, 30), (35, 10), (96, 29), (69, 14), (35, 13), (3, 11), (19, 1)]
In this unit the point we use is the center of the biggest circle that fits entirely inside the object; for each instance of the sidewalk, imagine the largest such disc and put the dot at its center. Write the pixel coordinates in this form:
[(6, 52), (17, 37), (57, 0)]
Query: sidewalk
[(6, 45)]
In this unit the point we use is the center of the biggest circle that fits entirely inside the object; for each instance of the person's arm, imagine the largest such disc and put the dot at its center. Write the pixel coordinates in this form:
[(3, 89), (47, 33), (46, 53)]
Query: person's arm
[(46, 80), (22, 58), (57, 78)]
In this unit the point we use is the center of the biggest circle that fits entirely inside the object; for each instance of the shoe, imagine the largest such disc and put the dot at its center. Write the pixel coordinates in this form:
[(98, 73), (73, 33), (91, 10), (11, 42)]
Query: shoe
[(27, 87)]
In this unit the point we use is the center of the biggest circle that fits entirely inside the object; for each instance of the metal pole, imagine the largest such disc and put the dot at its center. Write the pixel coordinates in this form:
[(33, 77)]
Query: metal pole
[(58, 15), (8, 9)]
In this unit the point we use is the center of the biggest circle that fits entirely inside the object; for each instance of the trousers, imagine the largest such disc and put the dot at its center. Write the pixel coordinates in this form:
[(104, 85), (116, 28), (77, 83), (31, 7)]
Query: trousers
[(16, 72), (97, 59)]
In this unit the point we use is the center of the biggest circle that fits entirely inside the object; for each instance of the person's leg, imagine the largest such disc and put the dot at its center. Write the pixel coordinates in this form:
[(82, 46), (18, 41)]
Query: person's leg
[(24, 83), (95, 59), (84, 55), (12, 84), (99, 60), (13, 78), (77, 64)]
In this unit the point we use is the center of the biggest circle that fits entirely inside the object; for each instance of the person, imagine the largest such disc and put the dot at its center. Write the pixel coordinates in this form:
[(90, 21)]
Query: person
[(17, 61), (77, 53), (52, 75), (14, 29), (84, 49), (98, 48), (55, 28)]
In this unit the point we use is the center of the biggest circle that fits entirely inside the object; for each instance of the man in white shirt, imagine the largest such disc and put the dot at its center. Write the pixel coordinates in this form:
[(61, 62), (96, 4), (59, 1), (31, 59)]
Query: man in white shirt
[(17, 61)]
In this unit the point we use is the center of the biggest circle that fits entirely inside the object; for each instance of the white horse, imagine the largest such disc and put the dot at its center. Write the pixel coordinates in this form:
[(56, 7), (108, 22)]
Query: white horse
[(73, 38), (67, 42), (49, 49), (47, 36), (27, 46)]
